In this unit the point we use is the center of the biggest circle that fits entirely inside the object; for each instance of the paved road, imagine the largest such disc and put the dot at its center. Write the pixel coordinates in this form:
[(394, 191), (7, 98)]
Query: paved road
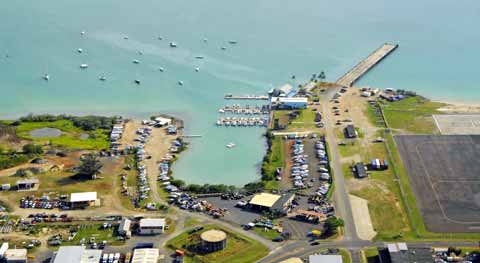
[(341, 200)]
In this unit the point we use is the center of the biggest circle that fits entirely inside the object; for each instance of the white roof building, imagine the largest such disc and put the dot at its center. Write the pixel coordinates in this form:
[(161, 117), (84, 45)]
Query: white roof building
[(16, 255), (325, 259), (152, 222), (145, 255), (76, 254), (83, 197), (163, 121)]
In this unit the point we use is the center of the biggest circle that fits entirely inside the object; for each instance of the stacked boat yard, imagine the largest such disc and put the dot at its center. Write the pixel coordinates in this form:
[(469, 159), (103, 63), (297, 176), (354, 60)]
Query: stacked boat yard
[(115, 136), (143, 187), (247, 109), (164, 166), (243, 122)]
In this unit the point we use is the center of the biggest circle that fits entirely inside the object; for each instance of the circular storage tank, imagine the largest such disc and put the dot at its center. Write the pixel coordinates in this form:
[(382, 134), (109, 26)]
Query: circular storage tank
[(213, 240)]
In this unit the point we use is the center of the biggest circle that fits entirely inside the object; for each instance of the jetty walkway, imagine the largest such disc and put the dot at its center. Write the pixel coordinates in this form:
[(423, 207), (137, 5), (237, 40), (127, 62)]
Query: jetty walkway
[(365, 65)]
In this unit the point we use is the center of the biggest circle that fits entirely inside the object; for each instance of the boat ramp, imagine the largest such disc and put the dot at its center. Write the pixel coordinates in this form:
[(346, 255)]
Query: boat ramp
[(365, 65)]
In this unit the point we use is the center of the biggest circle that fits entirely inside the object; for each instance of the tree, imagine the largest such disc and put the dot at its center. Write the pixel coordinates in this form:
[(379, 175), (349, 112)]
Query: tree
[(32, 149), (331, 226), (90, 165), (178, 183)]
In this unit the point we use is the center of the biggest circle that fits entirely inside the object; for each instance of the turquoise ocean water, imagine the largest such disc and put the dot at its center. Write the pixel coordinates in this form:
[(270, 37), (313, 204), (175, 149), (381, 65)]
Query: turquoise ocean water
[(276, 38)]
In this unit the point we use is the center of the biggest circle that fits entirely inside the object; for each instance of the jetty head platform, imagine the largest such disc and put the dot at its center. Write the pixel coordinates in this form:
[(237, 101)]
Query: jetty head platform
[(365, 65)]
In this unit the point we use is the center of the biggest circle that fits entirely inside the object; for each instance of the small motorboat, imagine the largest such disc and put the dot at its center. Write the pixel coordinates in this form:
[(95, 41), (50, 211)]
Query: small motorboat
[(137, 81), (231, 145), (173, 44), (160, 38), (84, 66), (102, 78), (224, 48), (46, 77), (79, 50), (125, 37), (197, 69), (233, 42), (180, 83), (161, 69), (199, 57), (82, 33), (221, 111), (205, 40), (136, 61)]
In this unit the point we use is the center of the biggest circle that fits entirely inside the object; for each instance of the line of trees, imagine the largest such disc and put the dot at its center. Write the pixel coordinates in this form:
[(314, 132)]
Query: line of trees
[(86, 123)]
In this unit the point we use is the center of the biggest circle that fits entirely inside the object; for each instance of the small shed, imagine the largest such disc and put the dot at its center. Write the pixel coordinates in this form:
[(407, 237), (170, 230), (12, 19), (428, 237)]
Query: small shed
[(350, 132), (161, 121), (360, 170), (264, 201), (124, 227), (151, 226), (27, 184), (82, 200)]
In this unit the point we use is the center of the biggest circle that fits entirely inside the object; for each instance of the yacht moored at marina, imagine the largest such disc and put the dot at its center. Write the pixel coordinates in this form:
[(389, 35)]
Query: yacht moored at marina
[(84, 66), (173, 44), (46, 77), (231, 145)]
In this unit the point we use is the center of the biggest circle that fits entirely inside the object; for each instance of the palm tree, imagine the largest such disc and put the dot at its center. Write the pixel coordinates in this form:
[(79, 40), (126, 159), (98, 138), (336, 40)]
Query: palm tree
[(322, 76)]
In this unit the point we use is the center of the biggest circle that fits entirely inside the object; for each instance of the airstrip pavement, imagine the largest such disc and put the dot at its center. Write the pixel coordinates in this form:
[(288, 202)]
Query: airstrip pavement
[(459, 124), (445, 175)]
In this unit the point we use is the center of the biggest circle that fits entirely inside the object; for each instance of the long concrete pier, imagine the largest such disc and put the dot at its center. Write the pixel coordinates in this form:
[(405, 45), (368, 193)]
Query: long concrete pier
[(365, 65)]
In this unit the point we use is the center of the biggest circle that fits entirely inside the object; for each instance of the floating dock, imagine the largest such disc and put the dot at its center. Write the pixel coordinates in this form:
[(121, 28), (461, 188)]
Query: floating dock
[(246, 97), (242, 122), (365, 65), (247, 109)]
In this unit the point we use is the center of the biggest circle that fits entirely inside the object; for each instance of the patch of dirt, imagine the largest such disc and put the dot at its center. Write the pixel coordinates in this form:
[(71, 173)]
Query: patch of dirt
[(354, 185)]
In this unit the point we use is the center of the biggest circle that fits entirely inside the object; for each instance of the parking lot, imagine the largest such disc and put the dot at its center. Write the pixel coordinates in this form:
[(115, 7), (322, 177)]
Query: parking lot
[(459, 124), (444, 173)]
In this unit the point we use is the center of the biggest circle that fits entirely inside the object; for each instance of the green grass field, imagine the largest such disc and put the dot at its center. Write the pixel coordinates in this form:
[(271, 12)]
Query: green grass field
[(70, 137), (275, 159), (269, 234), (413, 115), (239, 248)]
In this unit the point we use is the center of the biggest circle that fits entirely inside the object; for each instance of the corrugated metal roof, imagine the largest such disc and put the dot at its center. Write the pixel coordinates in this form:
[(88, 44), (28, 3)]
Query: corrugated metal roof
[(83, 197)]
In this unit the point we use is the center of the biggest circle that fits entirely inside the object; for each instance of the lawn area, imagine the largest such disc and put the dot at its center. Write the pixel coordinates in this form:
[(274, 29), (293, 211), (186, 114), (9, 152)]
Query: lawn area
[(370, 255), (347, 258), (304, 121), (275, 158), (388, 213), (269, 234), (239, 248), (413, 114), (70, 138), (86, 231)]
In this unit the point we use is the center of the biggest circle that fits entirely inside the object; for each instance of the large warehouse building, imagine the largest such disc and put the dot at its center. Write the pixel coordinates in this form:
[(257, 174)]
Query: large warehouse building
[(272, 202)]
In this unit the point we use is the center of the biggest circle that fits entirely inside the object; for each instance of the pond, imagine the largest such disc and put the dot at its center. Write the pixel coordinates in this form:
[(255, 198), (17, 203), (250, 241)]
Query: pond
[(45, 132)]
